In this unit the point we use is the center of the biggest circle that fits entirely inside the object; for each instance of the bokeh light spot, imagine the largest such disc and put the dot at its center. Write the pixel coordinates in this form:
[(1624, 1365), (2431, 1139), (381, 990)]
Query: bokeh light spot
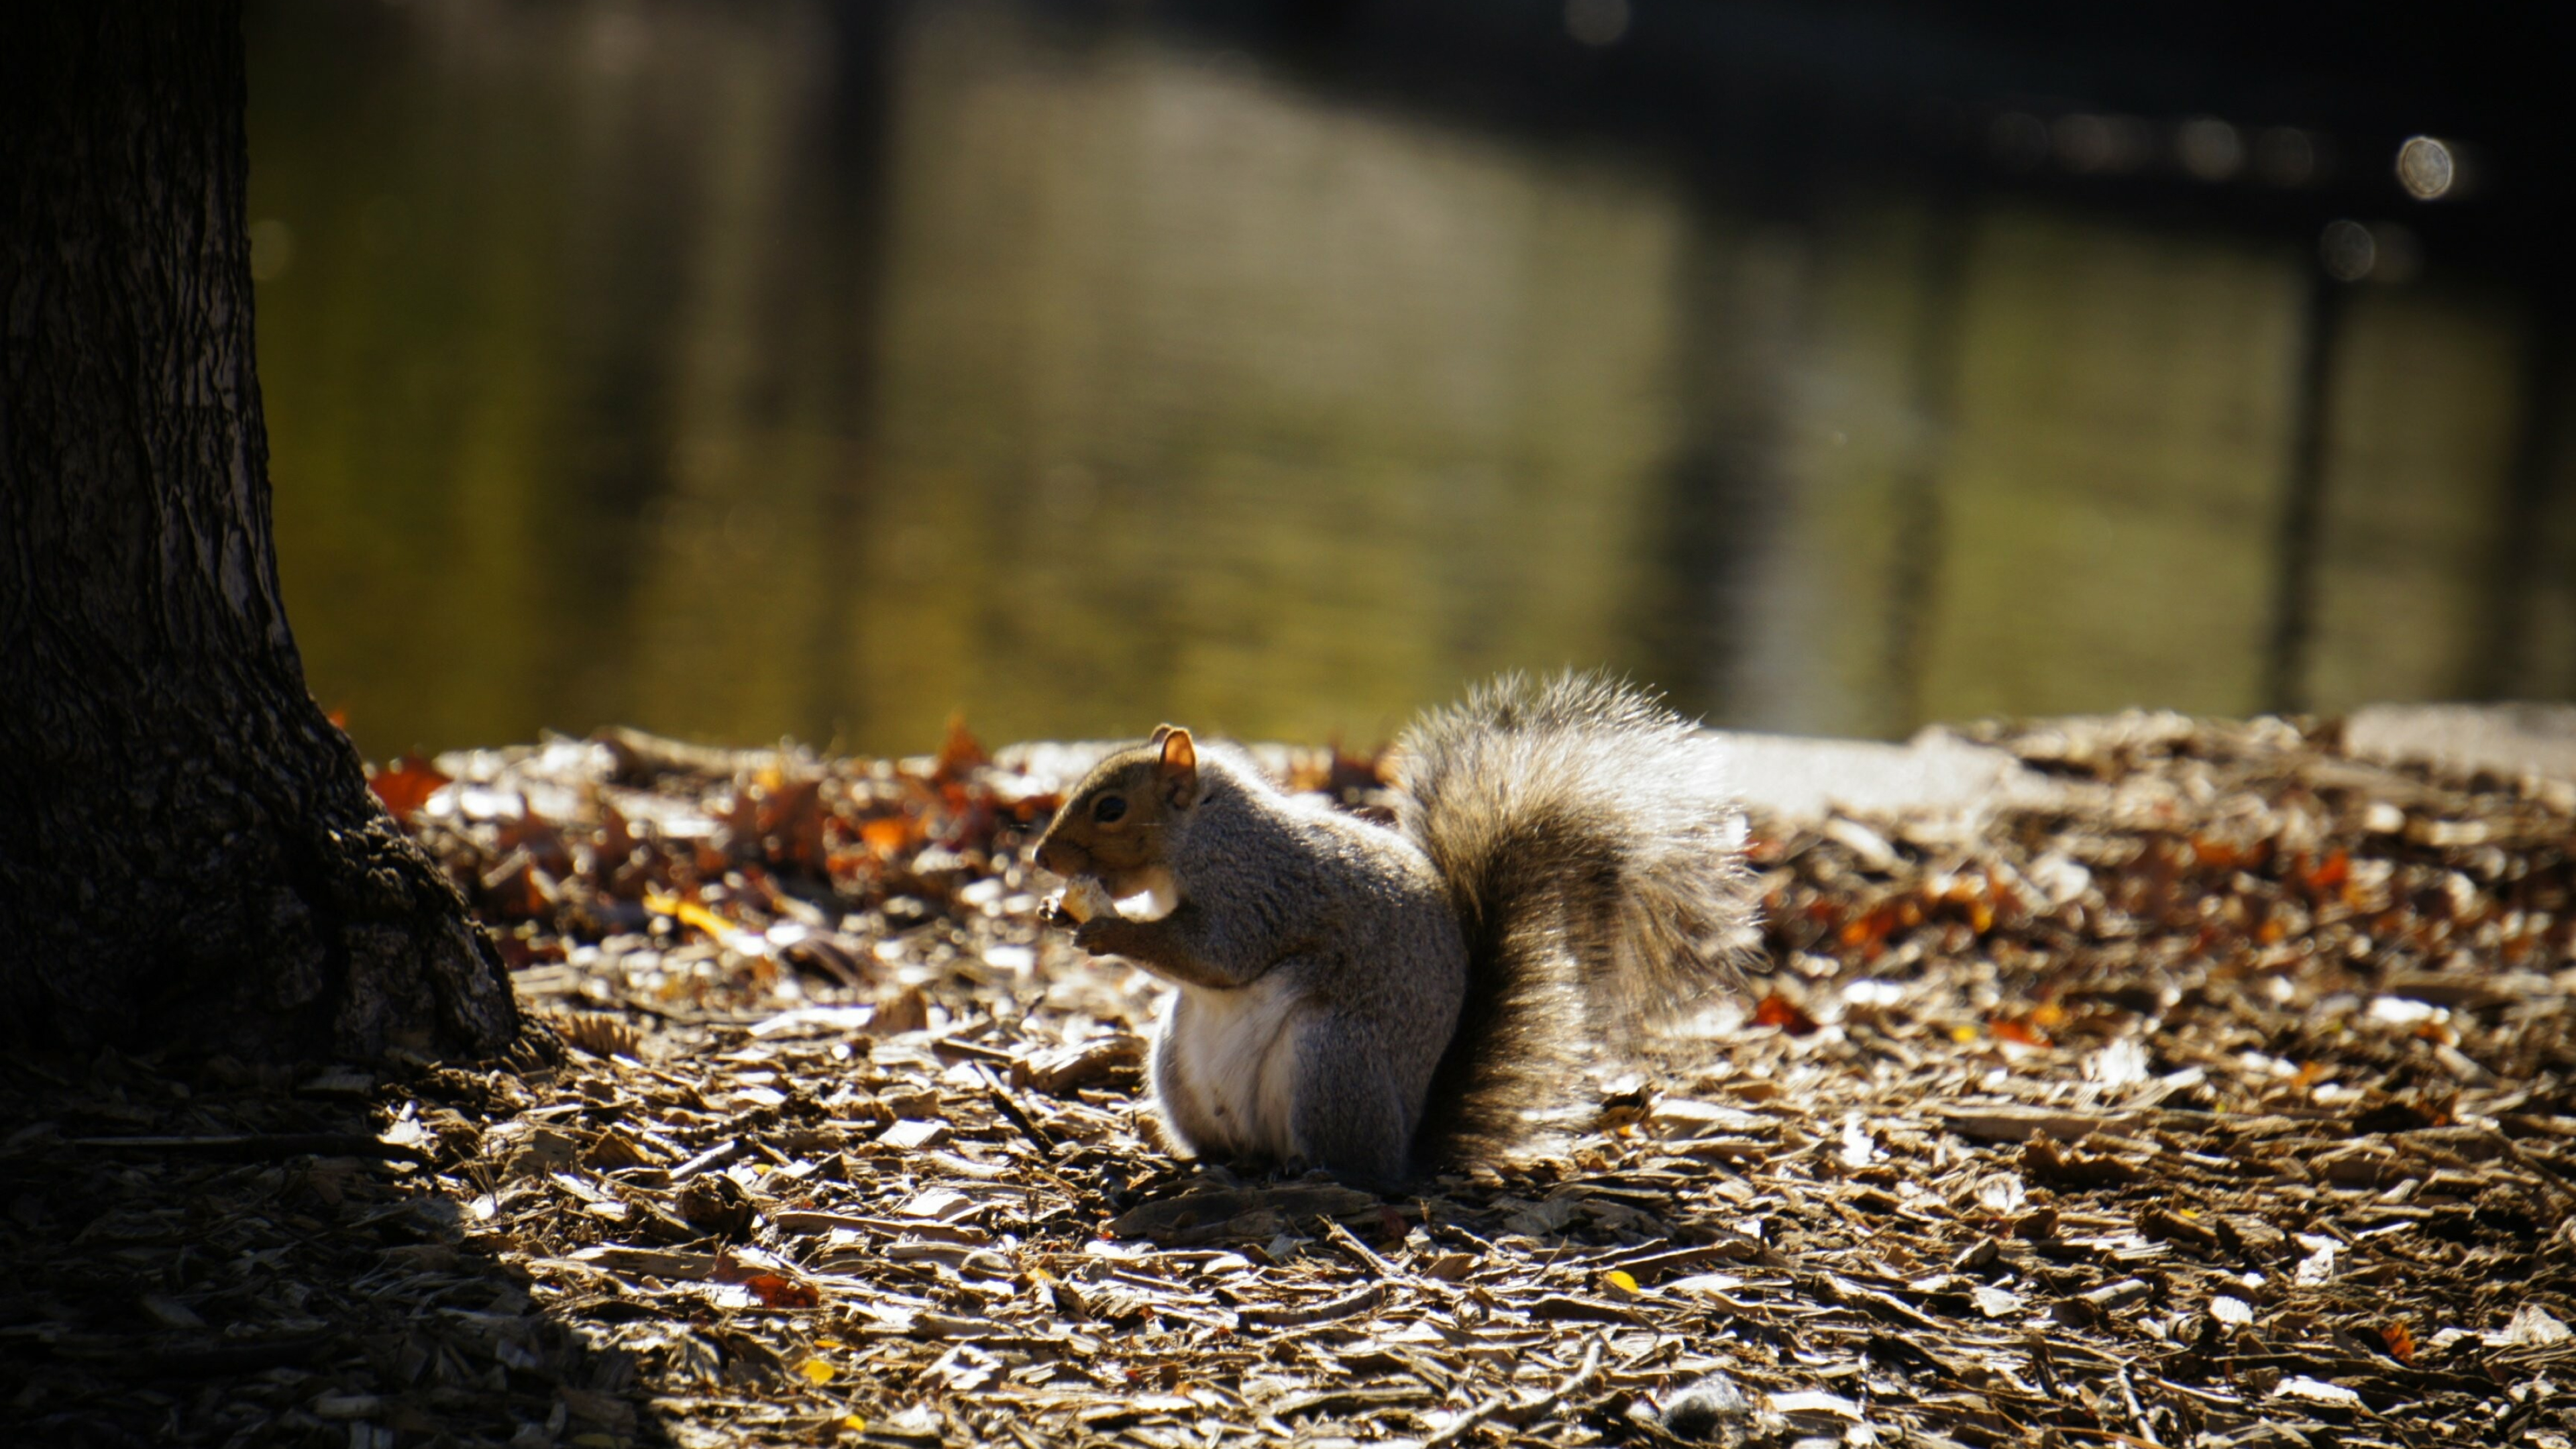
[(2426, 168), (2209, 149), (2347, 250), (1596, 22)]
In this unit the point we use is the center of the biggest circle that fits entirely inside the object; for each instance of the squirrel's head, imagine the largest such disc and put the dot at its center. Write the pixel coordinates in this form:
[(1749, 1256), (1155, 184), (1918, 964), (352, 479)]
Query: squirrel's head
[(1117, 819)]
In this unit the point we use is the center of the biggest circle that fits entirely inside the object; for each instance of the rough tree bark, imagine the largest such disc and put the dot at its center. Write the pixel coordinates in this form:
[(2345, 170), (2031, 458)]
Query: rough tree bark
[(189, 855)]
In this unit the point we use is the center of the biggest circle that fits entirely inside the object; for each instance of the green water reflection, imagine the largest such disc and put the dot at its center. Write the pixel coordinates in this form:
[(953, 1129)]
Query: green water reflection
[(792, 369)]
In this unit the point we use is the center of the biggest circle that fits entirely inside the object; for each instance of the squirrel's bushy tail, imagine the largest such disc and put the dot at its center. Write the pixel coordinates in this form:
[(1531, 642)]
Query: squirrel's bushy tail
[(1594, 855)]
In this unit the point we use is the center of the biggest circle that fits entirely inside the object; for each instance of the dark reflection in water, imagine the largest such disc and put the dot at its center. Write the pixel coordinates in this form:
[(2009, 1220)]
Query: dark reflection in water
[(822, 369)]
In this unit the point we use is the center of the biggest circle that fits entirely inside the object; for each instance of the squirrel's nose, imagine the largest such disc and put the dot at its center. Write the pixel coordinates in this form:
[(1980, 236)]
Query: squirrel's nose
[(1062, 856)]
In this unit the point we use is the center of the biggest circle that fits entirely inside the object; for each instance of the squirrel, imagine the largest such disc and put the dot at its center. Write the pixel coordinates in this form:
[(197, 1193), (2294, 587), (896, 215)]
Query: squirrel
[(1565, 866)]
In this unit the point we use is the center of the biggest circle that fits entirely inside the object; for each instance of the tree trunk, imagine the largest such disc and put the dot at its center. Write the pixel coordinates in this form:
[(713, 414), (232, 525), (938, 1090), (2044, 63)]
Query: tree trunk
[(189, 855)]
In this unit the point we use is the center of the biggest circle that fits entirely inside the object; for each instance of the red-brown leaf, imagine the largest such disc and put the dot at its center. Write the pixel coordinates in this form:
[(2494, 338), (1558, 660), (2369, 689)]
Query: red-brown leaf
[(1780, 1011), (405, 785)]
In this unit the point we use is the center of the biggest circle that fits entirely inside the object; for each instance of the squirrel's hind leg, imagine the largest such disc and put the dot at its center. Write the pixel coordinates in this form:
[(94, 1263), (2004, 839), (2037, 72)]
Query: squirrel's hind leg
[(1353, 1114)]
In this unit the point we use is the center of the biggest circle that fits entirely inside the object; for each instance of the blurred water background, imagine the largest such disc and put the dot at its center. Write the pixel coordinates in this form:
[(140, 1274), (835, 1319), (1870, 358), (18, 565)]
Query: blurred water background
[(821, 369)]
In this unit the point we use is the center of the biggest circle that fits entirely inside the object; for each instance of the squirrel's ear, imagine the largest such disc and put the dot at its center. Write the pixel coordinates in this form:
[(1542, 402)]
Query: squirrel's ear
[(1178, 770), (1161, 732)]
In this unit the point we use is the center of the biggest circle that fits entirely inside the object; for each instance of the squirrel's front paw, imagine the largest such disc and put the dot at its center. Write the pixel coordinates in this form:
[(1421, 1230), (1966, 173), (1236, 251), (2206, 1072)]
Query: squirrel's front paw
[(1107, 935)]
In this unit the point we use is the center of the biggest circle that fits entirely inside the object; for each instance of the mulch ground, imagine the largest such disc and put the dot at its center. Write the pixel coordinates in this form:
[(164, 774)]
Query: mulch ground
[(2223, 1099)]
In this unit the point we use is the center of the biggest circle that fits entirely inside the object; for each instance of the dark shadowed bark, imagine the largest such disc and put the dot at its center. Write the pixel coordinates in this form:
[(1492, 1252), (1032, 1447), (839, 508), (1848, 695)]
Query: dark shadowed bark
[(189, 856)]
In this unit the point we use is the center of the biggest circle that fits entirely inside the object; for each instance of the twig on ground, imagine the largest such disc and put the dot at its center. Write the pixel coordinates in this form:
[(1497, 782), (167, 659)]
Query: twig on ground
[(264, 1146)]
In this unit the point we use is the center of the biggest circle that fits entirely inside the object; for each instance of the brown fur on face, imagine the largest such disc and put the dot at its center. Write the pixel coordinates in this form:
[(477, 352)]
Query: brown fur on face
[(1154, 785)]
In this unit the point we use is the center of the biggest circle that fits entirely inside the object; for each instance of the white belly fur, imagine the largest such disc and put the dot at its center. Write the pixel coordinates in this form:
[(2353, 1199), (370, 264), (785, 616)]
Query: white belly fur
[(1235, 1056)]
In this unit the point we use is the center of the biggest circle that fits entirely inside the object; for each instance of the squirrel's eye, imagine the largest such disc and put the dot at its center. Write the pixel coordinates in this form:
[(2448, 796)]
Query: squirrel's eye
[(1108, 808)]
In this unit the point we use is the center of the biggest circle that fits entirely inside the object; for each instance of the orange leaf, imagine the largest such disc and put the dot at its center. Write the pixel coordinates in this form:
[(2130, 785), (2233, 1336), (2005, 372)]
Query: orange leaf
[(1780, 1011), (777, 1291), (405, 785), (887, 835), (2401, 1344), (2336, 869), (2019, 1029)]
